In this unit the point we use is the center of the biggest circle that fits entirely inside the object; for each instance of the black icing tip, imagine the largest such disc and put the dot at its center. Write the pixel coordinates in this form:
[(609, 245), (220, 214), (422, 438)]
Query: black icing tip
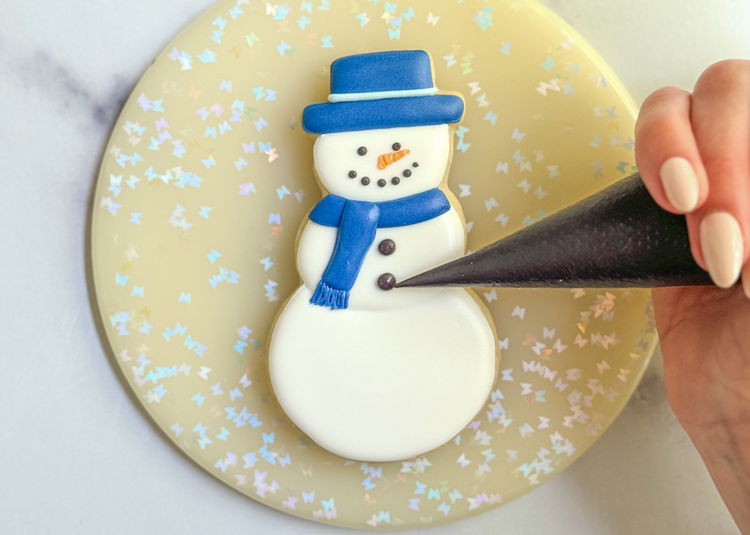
[(617, 238), (440, 276)]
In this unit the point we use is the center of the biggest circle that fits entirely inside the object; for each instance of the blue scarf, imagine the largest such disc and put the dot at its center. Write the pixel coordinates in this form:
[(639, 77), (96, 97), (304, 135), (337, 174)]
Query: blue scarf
[(357, 222)]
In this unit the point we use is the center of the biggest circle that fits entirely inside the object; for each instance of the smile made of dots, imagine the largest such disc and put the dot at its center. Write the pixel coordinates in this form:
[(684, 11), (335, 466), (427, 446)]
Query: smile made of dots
[(365, 180)]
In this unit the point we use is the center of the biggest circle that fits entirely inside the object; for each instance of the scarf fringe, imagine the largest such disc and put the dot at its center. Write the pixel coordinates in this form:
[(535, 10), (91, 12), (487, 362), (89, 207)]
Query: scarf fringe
[(328, 296)]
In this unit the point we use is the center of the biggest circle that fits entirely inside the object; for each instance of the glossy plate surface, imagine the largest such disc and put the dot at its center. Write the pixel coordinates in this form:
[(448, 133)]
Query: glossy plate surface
[(208, 175)]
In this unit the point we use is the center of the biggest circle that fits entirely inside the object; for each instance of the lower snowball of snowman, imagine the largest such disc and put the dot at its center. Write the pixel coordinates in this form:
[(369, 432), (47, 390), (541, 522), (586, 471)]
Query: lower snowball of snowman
[(383, 385)]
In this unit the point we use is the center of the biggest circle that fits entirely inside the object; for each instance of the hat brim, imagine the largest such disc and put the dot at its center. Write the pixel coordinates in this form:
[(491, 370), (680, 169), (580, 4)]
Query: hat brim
[(330, 117)]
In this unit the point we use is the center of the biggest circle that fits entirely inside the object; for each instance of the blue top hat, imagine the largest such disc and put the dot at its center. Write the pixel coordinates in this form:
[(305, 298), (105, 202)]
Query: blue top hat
[(382, 90)]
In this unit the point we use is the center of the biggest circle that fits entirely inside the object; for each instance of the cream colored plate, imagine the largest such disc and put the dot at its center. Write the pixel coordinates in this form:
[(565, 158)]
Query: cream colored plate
[(208, 175)]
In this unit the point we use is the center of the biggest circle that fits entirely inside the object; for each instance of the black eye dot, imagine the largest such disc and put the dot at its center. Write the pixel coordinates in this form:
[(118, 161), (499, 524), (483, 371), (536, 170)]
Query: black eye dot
[(352, 174), (407, 173), (395, 180), (396, 146), (362, 151), (415, 164), (365, 180), (381, 182)]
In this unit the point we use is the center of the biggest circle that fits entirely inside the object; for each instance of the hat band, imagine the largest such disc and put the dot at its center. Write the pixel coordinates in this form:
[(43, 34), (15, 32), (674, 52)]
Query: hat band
[(377, 95)]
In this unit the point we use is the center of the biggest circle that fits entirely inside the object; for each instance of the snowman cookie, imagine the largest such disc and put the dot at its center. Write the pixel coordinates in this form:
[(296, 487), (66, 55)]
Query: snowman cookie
[(368, 371)]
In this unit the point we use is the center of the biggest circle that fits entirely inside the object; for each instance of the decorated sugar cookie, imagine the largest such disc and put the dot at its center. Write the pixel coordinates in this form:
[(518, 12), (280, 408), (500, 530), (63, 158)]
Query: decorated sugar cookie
[(369, 371)]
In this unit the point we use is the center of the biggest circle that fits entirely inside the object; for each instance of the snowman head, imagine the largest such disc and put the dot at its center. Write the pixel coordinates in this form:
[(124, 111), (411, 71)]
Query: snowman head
[(384, 164), (384, 131)]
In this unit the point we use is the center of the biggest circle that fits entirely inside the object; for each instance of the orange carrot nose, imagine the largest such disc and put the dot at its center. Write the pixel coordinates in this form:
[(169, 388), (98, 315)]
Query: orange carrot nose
[(384, 160)]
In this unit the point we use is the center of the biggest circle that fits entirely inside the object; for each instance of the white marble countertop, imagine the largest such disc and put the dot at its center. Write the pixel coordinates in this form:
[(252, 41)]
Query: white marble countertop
[(86, 460)]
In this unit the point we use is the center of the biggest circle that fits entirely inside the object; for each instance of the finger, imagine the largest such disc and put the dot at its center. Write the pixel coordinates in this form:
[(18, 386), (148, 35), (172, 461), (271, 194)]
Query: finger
[(721, 124), (667, 154)]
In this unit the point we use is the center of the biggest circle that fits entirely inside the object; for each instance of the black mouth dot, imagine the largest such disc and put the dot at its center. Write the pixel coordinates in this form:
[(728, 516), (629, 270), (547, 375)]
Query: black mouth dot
[(365, 181), (395, 180), (381, 183), (352, 174), (415, 164), (407, 173)]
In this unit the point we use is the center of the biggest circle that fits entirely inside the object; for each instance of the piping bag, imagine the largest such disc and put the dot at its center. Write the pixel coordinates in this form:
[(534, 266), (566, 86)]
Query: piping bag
[(616, 238)]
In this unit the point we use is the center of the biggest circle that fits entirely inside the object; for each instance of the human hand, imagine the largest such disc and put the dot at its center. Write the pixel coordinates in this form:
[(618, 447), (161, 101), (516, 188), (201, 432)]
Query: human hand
[(693, 152)]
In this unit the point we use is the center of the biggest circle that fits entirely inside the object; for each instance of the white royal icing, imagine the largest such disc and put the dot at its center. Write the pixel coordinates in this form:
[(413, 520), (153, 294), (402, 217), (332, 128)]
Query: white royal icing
[(383, 385), (399, 372)]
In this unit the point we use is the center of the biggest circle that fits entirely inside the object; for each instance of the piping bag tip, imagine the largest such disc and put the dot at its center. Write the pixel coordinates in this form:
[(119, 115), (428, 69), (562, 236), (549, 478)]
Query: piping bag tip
[(423, 279), (451, 274), (410, 282), (616, 238)]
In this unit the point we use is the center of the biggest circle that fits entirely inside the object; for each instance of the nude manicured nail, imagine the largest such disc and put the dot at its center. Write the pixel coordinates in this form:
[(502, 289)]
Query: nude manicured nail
[(680, 184), (722, 244), (746, 280)]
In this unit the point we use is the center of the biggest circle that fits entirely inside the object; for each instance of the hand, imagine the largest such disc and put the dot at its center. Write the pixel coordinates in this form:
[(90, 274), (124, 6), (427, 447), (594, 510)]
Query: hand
[(693, 152)]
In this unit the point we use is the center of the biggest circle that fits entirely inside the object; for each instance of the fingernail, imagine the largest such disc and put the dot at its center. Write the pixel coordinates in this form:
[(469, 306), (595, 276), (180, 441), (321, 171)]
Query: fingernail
[(722, 244), (680, 184), (746, 280)]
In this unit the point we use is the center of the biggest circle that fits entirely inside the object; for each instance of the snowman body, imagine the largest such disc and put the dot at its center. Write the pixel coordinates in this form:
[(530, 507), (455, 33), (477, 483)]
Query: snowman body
[(399, 372)]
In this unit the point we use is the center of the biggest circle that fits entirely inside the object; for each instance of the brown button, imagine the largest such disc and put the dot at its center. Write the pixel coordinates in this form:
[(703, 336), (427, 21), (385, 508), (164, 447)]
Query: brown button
[(386, 281), (387, 247)]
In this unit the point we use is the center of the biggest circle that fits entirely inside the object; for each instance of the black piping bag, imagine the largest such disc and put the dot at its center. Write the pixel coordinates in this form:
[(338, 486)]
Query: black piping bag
[(617, 238)]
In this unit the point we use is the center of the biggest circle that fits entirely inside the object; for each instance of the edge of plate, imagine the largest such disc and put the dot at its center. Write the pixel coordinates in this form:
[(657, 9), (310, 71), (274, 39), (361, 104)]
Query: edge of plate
[(94, 276)]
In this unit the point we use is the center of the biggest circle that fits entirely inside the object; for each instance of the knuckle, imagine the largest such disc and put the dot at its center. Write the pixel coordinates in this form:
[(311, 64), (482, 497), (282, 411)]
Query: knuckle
[(663, 96), (724, 71), (721, 166), (661, 108), (658, 120)]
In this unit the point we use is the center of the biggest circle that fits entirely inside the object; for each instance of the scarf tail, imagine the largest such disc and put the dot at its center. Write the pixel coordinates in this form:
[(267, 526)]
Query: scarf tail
[(328, 296)]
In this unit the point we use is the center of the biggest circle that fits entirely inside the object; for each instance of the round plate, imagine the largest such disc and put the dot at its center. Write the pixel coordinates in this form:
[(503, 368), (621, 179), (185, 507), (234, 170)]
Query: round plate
[(208, 176)]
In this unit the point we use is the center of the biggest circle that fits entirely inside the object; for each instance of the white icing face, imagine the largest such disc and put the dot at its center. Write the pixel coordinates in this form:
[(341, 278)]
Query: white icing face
[(381, 165)]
